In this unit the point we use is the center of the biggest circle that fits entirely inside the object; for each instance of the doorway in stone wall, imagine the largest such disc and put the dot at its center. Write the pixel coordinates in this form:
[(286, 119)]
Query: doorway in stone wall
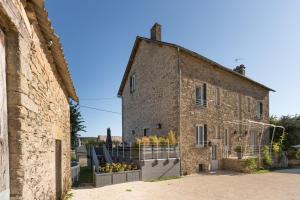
[(214, 158), (58, 169)]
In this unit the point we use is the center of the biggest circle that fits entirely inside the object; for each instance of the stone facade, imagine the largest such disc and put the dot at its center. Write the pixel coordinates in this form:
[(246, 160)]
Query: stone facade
[(234, 94), (155, 99), (167, 76), (38, 88)]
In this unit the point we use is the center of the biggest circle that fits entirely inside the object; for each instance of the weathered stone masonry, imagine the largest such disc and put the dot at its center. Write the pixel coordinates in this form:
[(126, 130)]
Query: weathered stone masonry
[(38, 88)]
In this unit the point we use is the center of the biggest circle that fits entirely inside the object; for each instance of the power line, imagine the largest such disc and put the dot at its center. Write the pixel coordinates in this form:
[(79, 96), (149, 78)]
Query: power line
[(99, 109), (97, 99)]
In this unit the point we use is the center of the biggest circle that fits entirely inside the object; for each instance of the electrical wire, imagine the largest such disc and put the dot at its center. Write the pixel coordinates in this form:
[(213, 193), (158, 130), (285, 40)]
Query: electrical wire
[(99, 109), (97, 99)]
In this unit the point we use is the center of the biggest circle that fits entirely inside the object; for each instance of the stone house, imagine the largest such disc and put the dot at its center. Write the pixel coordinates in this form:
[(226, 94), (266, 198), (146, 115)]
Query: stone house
[(167, 87), (35, 87)]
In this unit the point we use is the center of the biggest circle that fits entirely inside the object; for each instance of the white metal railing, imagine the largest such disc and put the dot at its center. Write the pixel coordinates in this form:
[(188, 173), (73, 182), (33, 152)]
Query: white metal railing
[(246, 151), (201, 102), (139, 152)]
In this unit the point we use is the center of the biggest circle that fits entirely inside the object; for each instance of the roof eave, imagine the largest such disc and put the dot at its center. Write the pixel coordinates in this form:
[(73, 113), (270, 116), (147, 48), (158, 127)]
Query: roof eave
[(130, 61), (57, 51)]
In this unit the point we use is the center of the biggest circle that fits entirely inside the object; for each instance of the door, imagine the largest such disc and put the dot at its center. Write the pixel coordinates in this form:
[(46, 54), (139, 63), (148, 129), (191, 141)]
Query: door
[(214, 158), (253, 145), (58, 169), (226, 143)]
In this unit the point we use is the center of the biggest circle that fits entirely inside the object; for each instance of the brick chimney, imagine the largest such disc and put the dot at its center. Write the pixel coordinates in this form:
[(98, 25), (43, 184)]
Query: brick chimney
[(156, 32), (240, 69)]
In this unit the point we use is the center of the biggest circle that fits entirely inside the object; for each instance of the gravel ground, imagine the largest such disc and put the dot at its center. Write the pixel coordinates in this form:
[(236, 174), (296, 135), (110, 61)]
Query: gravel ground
[(277, 185)]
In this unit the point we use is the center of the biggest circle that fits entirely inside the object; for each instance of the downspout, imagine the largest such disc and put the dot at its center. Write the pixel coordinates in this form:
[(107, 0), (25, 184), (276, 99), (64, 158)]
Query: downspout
[(179, 107)]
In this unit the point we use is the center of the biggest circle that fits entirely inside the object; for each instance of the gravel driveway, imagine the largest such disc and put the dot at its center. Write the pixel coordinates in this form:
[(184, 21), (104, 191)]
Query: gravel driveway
[(278, 185)]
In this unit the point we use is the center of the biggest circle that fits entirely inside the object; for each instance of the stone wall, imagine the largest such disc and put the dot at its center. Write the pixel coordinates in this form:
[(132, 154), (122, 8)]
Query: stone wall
[(237, 165), (38, 109), (234, 94), (156, 97)]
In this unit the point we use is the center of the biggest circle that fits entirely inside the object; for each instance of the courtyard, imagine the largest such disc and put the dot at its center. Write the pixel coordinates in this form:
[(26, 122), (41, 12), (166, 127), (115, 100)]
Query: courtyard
[(276, 185)]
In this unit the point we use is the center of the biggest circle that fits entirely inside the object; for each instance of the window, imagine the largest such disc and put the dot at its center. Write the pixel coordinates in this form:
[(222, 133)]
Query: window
[(252, 138), (226, 137), (217, 96), (201, 95), (201, 135), (133, 132), (259, 110), (132, 83), (146, 130)]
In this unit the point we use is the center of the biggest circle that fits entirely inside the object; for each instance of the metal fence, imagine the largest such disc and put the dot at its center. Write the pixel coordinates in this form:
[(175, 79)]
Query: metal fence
[(235, 151), (130, 152)]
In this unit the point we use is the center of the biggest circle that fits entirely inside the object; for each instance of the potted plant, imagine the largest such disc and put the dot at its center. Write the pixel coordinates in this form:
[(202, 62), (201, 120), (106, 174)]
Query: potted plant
[(239, 151)]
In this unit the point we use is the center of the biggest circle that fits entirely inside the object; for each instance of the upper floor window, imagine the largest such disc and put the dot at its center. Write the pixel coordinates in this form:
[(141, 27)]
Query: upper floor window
[(201, 135), (259, 110), (146, 131), (132, 83), (201, 95)]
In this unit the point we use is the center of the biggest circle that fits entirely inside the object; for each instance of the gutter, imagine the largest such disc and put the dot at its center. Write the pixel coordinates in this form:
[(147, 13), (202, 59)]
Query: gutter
[(179, 107)]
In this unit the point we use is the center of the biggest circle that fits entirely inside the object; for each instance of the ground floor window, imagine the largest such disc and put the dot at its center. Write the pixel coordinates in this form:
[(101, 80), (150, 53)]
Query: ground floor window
[(201, 135)]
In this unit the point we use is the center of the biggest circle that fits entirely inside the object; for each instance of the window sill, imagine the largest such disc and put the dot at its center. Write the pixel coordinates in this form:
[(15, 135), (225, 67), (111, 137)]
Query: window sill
[(199, 146)]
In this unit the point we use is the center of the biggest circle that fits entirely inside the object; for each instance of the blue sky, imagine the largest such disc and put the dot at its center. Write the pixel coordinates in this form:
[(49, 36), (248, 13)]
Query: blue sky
[(97, 38)]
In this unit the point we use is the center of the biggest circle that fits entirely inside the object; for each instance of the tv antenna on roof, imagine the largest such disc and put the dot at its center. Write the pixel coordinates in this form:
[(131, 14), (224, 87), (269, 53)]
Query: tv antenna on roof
[(238, 59)]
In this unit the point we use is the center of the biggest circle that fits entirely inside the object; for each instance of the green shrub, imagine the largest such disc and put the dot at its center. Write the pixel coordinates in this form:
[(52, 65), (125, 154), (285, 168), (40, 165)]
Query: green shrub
[(251, 164), (267, 159), (172, 138), (163, 141), (153, 139), (118, 167), (73, 157), (276, 147), (298, 154)]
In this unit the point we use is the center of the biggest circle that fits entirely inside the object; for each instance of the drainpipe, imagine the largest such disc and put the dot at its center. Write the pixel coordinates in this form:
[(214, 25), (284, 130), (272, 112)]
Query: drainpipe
[(179, 106)]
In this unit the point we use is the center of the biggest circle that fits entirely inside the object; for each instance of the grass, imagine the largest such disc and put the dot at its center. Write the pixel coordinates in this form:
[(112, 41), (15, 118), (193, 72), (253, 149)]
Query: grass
[(86, 175), (262, 171), (68, 196), (163, 178)]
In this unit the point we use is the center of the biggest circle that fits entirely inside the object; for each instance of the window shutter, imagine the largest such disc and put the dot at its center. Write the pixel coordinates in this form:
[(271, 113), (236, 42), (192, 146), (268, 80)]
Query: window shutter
[(205, 135), (204, 94), (197, 135)]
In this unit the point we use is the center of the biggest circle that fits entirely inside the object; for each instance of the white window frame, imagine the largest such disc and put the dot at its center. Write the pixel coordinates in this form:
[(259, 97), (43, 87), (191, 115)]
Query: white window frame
[(226, 137), (253, 138), (258, 110), (198, 141), (200, 101), (132, 83)]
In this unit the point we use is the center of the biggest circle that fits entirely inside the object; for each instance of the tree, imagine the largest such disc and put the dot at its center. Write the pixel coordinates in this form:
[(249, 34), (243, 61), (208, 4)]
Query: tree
[(292, 130), (76, 122)]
